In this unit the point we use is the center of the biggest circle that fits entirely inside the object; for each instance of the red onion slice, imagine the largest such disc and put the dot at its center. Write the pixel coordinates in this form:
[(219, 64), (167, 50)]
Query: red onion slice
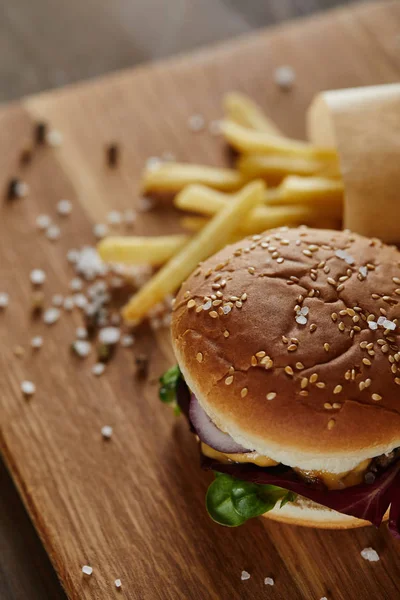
[(209, 433)]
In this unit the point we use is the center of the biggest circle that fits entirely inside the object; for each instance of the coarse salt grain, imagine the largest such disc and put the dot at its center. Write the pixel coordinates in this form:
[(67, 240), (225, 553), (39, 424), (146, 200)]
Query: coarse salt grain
[(106, 432), (109, 335), (28, 388), (118, 583), (370, 554), (54, 138), (130, 216), (100, 230), (37, 276), (21, 189), (214, 127), (37, 342), (43, 222), (82, 348), (76, 284), (114, 217), (196, 123), (145, 204), (81, 333), (269, 581), (245, 575), (53, 233), (64, 208), (89, 263), (98, 369), (68, 303), (51, 316), (80, 300), (285, 77), (127, 341), (86, 570), (301, 320), (72, 256), (153, 163), (4, 300), (373, 325)]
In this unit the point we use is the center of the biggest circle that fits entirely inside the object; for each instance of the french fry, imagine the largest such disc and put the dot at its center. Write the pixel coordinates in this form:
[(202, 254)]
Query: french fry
[(210, 239), (274, 167), (316, 191), (172, 177), (205, 201), (193, 223), (250, 141), (240, 109), (140, 249)]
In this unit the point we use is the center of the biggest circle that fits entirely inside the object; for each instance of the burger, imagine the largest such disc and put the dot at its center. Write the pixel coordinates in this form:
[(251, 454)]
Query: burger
[(288, 351)]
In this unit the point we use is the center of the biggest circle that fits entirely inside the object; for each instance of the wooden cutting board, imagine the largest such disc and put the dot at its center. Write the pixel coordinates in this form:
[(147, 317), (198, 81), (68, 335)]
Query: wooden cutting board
[(133, 507)]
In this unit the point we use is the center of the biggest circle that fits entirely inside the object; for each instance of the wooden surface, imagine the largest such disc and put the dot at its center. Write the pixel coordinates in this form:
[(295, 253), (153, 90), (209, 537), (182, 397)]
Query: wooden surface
[(134, 507), (46, 44)]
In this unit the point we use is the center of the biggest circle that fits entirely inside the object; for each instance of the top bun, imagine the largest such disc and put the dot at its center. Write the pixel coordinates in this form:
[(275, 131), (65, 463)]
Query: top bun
[(290, 341)]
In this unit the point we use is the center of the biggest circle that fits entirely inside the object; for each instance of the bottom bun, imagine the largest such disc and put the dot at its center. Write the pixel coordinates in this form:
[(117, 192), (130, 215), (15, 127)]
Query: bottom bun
[(309, 514)]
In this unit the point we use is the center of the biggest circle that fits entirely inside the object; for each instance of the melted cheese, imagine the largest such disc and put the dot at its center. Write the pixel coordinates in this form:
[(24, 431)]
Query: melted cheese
[(333, 481), (246, 457)]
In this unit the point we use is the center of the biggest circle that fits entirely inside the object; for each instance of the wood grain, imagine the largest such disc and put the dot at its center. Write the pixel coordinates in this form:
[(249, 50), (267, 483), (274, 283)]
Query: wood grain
[(133, 507)]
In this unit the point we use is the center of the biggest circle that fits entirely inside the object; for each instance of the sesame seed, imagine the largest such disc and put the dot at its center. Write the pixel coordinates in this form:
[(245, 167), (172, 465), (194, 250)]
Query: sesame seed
[(229, 380), (213, 314), (397, 380), (292, 348), (341, 326), (367, 362), (327, 347), (280, 260), (254, 361), (238, 304), (199, 357), (320, 384), (331, 281), (313, 327), (289, 371), (336, 405), (334, 317), (314, 378), (304, 383), (226, 333), (261, 354), (251, 270), (303, 393), (191, 303), (299, 366), (268, 363), (243, 392), (271, 395), (331, 424), (376, 397), (328, 406), (338, 389), (307, 253)]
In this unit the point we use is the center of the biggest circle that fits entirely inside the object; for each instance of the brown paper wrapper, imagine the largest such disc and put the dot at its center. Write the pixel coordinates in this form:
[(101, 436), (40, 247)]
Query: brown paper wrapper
[(364, 125)]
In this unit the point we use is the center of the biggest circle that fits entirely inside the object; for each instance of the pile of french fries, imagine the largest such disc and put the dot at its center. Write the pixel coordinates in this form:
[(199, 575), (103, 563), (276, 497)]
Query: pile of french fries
[(276, 181)]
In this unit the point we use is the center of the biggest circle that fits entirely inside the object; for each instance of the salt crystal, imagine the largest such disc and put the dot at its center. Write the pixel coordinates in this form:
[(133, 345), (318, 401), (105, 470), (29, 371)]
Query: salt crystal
[(68, 303), (130, 217), (301, 320), (381, 320), (21, 189), (4, 299), (100, 230), (98, 369), (145, 204), (303, 311), (117, 583), (114, 217), (53, 232), (54, 138), (285, 77), (109, 335), (81, 333), (208, 304), (245, 575), (196, 123), (349, 260), (389, 325), (28, 388), (64, 208), (37, 342), (51, 316), (57, 300), (76, 284), (372, 325), (80, 300), (215, 127), (82, 348), (324, 598), (86, 570), (37, 276), (269, 581), (363, 271), (370, 554), (153, 163), (106, 431), (72, 255), (89, 264), (43, 222), (225, 309), (115, 319), (127, 341)]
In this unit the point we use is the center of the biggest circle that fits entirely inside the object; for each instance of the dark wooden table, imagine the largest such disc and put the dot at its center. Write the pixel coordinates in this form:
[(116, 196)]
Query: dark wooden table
[(43, 45)]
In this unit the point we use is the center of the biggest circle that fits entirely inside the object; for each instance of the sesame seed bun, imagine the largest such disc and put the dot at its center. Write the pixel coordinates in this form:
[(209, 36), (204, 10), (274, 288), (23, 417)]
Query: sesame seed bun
[(283, 369), (309, 514)]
